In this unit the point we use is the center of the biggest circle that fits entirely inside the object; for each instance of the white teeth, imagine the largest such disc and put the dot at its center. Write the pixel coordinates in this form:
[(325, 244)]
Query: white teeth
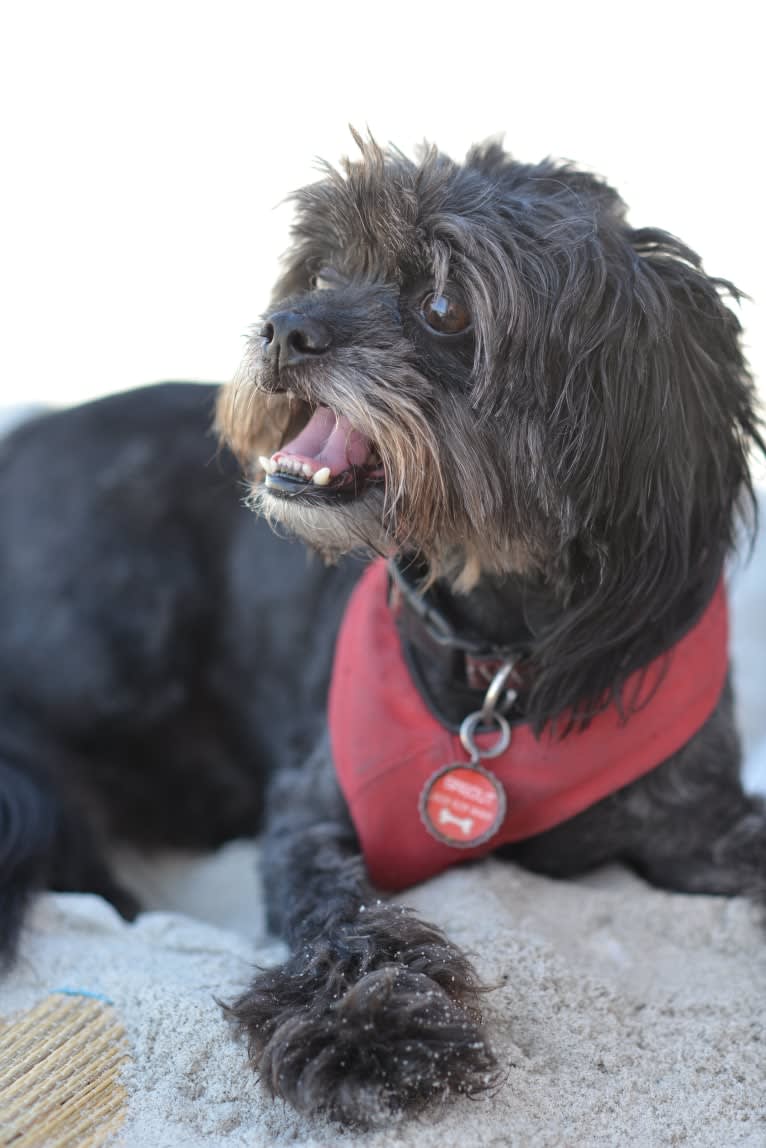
[(289, 466), (283, 464)]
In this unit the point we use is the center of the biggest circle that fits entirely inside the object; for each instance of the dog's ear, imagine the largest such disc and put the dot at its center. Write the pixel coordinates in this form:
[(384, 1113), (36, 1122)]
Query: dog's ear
[(702, 379), (680, 381), (648, 436)]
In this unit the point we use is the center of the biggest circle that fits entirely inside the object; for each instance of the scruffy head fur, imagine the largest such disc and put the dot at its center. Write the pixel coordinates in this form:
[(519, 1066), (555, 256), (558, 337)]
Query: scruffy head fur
[(589, 428)]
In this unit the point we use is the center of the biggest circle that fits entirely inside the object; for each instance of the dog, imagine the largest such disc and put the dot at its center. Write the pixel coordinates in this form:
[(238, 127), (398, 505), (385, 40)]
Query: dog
[(535, 419)]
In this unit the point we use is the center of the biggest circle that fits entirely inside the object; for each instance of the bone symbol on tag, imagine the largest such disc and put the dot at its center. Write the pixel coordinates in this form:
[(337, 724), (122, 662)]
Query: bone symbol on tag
[(462, 804), (464, 823)]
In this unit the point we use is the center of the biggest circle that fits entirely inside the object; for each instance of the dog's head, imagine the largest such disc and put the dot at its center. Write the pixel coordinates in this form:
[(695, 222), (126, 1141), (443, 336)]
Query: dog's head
[(485, 364)]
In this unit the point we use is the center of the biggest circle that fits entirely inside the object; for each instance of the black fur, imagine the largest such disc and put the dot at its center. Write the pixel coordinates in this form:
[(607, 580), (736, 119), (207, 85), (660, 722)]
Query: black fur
[(575, 462)]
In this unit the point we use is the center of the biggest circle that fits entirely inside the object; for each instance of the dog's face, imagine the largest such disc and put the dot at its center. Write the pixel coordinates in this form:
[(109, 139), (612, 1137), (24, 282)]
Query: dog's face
[(485, 364)]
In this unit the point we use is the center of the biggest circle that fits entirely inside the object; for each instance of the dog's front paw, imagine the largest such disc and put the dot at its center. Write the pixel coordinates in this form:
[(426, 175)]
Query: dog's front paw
[(368, 1022)]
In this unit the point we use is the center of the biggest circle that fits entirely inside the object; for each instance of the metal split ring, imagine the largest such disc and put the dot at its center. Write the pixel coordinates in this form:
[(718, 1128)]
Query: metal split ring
[(469, 727), (495, 691)]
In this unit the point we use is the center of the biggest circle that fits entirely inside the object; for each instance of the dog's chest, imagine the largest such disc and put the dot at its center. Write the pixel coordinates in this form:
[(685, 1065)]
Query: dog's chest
[(419, 805)]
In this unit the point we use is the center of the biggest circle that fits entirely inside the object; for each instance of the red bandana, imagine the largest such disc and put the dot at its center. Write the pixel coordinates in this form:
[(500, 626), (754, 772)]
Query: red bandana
[(415, 819)]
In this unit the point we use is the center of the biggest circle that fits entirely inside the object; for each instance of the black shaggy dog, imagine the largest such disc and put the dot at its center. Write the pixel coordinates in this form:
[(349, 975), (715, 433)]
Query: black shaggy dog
[(541, 416)]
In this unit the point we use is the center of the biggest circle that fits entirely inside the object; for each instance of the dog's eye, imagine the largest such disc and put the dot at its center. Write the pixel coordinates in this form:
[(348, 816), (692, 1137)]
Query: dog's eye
[(445, 315), (326, 279)]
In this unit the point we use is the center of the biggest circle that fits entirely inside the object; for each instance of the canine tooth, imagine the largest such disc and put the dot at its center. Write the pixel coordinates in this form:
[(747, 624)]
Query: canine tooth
[(266, 464), (322, 476)]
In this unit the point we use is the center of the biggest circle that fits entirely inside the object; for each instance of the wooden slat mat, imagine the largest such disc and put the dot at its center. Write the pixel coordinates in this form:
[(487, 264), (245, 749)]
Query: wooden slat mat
[(59, 1074)]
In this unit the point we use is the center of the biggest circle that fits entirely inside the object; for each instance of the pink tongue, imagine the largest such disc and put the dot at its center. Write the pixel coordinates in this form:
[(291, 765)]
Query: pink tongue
[(329, 439)]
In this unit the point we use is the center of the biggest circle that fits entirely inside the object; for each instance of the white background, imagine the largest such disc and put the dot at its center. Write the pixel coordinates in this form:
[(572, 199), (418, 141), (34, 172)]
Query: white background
[(145, 148)]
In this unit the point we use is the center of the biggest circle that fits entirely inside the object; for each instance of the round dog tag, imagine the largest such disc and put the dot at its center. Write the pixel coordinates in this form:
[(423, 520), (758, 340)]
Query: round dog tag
[(462, 805)]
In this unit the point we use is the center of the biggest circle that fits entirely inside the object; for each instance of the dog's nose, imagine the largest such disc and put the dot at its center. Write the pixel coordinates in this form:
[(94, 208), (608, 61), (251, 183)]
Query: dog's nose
[(292, 338)]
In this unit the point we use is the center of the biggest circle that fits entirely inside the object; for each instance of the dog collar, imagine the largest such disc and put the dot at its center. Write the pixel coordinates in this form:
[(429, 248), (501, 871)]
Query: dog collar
[(419, 805), (421, 622)]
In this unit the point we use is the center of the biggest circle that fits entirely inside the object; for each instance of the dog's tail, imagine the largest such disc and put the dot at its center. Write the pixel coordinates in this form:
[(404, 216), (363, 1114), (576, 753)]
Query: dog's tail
[(45, 844), (28, 823)]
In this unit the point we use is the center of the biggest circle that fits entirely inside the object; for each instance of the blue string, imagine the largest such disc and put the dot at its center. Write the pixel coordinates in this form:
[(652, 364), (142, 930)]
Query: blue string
[(84, 993)]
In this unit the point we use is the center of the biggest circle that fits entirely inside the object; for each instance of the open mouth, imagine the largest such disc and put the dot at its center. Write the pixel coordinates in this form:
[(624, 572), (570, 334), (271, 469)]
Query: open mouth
[(327, 459)]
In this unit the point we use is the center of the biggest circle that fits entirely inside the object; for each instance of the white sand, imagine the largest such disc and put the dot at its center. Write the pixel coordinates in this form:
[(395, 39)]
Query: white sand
[(624, 1016)]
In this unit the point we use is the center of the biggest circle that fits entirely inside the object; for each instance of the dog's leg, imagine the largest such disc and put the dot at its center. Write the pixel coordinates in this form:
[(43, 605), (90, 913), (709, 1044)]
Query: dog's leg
[(699, 832), (733, 863), (374, 1010), (686, 826), (724, 853)]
